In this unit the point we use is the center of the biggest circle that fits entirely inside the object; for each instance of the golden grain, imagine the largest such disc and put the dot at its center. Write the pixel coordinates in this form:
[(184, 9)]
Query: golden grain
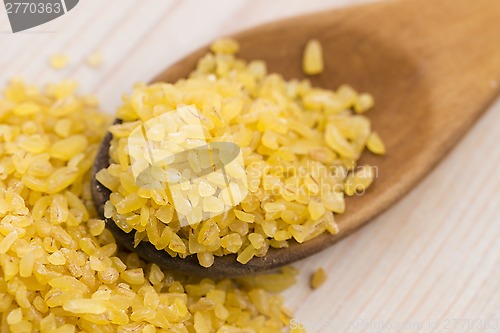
[(299, 144), (60, 269), (318, 278)]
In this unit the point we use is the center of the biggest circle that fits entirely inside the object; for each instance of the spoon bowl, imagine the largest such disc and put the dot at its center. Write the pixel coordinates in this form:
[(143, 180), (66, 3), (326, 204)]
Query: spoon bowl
[(433, 67)]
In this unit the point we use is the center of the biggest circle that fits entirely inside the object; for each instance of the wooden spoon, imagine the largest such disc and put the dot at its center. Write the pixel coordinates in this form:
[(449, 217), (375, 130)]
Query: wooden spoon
[(433, 67)]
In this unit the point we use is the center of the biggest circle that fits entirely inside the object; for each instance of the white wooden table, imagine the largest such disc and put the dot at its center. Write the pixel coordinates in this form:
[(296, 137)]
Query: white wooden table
[(429, 264)]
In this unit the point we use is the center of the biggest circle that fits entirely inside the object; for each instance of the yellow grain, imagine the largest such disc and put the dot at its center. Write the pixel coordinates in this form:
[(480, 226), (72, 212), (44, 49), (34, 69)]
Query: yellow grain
[(94, 60), (318, 278), (312, 62), (59, 61), (299, 146), (61, 271), (375, 144)]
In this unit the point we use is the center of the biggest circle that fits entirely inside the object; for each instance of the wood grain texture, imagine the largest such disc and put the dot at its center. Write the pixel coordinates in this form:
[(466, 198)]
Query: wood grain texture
[(432, 258)]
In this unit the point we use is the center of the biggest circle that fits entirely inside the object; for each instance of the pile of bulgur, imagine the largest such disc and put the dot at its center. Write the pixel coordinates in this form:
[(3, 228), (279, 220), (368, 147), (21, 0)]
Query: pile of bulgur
[(61, 270)]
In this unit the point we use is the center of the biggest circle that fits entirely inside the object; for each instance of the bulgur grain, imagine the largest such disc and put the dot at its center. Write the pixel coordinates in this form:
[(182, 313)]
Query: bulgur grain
[(60, 269), (318, 278), (299, 145), (59, 61), (312, 62)]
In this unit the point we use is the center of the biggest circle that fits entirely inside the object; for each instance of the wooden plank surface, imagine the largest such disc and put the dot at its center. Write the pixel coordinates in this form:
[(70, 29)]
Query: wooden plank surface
[(429, 264)]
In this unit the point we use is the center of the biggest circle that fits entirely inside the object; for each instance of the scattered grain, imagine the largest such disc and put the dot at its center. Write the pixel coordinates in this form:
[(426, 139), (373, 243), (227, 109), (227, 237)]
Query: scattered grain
[(318, 278), (312, 62), (59, 61)]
